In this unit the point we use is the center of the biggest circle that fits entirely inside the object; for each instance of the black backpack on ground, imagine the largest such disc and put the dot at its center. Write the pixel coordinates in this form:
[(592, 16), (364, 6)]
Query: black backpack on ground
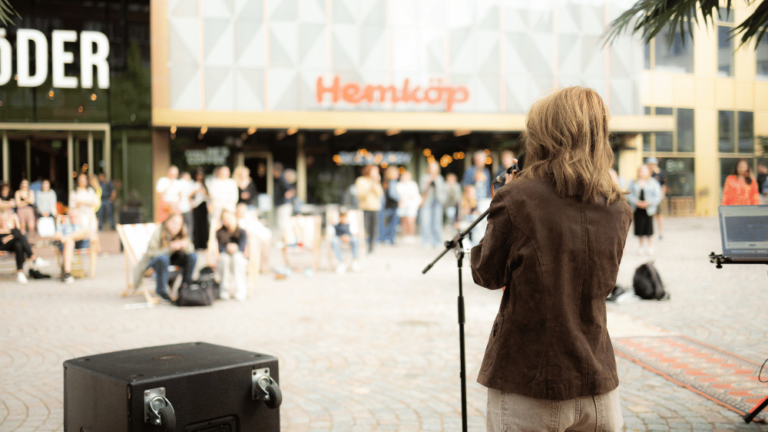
[(202, 292), (194, 294), (208, 278), (647, 283)]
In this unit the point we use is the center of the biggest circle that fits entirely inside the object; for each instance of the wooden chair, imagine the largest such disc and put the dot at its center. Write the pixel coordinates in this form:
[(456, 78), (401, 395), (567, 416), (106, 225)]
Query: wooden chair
[(135, 239), (252, 252), (355, 219), (303, 237)]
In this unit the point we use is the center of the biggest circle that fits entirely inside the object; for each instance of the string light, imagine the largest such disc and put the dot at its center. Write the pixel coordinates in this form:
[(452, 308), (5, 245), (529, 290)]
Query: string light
[(292, 130), (339, 131), (93, 96), (251, 130), (203, 130), (427, 152), (173, 129)]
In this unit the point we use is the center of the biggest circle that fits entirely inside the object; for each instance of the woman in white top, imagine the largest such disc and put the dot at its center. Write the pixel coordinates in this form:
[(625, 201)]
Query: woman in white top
[(223, 192), (408, 206), (85, 200), (46, 201)]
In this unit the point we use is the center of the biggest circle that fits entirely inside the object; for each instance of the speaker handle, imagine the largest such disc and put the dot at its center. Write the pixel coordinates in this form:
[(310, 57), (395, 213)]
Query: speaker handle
[(158, 410)]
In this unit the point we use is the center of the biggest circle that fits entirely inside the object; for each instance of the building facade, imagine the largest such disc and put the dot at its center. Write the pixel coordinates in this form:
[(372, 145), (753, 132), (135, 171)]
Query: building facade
[(325, 86)]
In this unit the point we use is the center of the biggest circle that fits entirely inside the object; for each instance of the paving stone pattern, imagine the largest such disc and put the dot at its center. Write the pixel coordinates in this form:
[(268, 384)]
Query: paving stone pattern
[(377, 350)]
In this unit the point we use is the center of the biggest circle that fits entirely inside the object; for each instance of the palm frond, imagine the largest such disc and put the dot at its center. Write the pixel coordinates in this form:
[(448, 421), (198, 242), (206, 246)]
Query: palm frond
[(7, 12), (648, 17)]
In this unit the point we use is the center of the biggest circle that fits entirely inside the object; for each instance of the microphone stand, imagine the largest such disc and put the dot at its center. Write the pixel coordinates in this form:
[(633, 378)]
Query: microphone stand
[(456, 245)]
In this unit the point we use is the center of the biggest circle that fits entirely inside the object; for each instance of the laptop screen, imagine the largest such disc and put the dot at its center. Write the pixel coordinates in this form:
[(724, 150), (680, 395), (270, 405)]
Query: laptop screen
[(744, 230)]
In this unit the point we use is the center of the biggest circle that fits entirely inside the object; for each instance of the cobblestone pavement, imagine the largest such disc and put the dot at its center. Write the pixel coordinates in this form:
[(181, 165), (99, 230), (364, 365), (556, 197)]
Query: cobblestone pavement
[(379, 350)]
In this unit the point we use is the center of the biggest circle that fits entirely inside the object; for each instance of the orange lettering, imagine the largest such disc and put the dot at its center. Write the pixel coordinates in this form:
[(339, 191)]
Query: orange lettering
[(351, 93), (452, 96), (333, 90), (369, 89)]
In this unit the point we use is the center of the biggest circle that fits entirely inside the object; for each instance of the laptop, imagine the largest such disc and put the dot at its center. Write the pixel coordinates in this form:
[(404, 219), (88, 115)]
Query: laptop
[(744, 231)]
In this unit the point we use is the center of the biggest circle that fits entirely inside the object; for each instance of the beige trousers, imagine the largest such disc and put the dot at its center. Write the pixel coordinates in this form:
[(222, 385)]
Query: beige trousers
[(508, 412)]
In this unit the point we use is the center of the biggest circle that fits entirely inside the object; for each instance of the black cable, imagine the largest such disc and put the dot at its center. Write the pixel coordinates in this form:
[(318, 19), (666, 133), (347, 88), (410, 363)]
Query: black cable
[(759, 374)]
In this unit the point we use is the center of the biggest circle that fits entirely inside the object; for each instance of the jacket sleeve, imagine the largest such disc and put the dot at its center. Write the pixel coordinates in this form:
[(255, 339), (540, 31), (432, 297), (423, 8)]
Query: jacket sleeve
[(726, 192), (632, 196), (655, 198), (754, 195), (490, 257), (153, 248)]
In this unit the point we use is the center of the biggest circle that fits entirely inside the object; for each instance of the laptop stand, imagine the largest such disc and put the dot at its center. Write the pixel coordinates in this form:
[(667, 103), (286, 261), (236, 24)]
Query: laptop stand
[(719, 260)]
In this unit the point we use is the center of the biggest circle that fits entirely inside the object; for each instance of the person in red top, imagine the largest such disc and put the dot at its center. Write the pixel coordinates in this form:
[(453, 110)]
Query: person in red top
[(740, 188)]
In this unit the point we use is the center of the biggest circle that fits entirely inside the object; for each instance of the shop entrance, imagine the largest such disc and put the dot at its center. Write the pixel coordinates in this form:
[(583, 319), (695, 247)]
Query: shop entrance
[(53, 152), (260, 164)]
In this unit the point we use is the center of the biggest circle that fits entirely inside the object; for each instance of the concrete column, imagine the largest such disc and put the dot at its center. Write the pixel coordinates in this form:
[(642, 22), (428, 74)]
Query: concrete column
[(125, 166), (29, 159), (301, 168), (6, 159), (161, 160), (631, 156), (70, 161), (91, 166)]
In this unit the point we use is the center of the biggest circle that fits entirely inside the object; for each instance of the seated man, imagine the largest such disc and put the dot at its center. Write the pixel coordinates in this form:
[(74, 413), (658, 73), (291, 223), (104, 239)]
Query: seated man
[(71, 235), (344, 235)]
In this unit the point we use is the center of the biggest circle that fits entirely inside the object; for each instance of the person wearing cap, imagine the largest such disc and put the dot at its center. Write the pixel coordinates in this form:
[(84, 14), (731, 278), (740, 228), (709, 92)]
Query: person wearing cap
[(661, 178)]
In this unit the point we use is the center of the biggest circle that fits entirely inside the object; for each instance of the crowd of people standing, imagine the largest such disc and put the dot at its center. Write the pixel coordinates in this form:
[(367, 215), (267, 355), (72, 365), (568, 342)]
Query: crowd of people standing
[(437, 201)]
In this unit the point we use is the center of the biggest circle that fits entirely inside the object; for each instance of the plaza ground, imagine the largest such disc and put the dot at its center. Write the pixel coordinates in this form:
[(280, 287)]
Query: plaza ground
[(378, 350)]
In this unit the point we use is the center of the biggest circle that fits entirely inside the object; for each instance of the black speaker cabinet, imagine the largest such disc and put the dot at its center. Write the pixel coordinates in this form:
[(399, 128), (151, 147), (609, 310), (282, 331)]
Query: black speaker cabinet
[(191, 387)]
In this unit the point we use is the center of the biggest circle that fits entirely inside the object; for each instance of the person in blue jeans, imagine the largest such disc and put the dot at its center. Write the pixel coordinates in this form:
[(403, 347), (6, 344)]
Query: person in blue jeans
[(108, 195), (70, 235), (388, 218), (344, 235), (169, 245), (433, 191)]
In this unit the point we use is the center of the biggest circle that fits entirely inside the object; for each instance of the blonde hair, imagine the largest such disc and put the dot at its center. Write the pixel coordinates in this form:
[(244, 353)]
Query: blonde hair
[(567, 142), (241, 174)]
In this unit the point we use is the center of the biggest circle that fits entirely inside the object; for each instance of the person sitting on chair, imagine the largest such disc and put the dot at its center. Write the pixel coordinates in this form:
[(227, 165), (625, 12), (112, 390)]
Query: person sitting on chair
[(11, 239), (344, 235), (232, 242), (169, 245), (70, 235)]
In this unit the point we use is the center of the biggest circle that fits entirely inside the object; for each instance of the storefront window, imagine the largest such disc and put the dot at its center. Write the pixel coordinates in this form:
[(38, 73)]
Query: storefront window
[(685, 130), (746, 132), (664, 142), (724, 52), (646, 142), (672, 55), (680, 177), (726, 131), (762, 58)]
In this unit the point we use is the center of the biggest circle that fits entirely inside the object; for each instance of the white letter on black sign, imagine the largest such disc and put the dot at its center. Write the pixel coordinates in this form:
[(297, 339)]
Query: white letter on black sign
[(5, 58), (89, 59), (23, 37), (61, 57)]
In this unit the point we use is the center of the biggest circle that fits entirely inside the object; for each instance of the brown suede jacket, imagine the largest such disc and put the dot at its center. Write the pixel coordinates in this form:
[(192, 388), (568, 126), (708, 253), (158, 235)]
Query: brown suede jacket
[(558, 258)]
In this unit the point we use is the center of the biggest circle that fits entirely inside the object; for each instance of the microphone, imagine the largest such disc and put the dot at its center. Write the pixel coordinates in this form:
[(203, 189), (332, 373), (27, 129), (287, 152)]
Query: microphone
[(517, 167)]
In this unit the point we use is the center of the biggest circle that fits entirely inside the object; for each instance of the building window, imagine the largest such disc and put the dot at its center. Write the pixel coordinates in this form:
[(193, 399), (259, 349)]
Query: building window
[(725, 51), (726, 131), (647, 56), (736, 132), (685, 130), (646, 142), (680, 176), (762, 58), (671, 54), (664, 111), (664, 142), (647, 110), (746, 132)]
